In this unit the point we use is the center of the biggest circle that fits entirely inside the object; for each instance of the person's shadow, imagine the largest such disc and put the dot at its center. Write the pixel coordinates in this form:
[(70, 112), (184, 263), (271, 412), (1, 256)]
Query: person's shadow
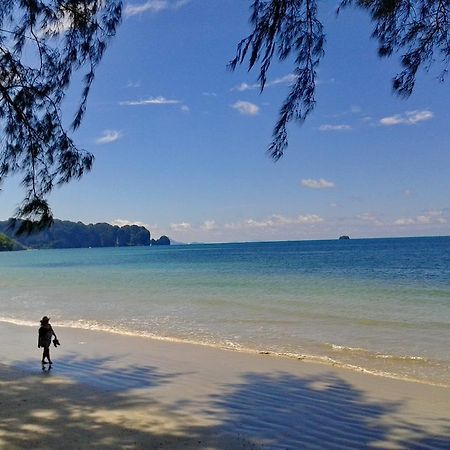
[(46, 368)]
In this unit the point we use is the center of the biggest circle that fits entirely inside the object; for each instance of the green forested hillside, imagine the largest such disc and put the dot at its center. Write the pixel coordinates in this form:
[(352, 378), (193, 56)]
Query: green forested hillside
[(66, 234), (7, 244)]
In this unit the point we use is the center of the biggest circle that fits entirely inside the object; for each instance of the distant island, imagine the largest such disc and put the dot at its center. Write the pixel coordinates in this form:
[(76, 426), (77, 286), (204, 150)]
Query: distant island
[(343, 238), (67, 234), (163, 240)]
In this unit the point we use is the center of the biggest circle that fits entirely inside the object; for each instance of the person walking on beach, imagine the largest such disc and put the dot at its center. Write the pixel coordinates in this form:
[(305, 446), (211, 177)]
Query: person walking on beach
[(45, 338)]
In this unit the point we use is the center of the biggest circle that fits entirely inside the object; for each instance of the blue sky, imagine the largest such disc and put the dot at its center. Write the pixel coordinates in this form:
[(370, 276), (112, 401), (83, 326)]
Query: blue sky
[(180, 141)]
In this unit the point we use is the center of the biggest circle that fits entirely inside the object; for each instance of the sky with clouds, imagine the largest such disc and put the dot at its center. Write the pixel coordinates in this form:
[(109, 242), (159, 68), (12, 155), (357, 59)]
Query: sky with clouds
[(180, 141)]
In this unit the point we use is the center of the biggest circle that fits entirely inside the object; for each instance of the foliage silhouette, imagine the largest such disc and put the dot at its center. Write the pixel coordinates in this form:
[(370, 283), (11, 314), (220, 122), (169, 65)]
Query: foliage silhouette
[(70, 35), (61, 36), (322, 411), (420, 28), (262, 410)]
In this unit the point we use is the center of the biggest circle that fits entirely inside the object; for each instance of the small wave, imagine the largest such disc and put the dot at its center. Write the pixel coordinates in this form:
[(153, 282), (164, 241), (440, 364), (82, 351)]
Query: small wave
[(232, 346), (373, 354), (23, 323), (356, 368), (343, 347), (401, 357)]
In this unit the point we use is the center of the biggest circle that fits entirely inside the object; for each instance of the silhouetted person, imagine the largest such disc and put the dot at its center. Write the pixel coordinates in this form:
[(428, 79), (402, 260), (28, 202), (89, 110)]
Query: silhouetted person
[(45, 338)]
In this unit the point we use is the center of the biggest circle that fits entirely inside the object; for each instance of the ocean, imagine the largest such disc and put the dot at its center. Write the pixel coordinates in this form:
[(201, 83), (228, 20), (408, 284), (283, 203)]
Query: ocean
[(375, 305)]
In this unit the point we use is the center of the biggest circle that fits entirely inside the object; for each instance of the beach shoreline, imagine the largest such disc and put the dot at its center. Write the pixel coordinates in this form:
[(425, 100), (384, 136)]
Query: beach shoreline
[(314, 359), (112, 391)]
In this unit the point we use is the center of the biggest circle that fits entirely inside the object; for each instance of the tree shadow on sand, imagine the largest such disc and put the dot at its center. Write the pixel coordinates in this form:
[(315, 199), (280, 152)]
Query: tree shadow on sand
[(104, 374), (261, 411), (45, 411), (284, 411)]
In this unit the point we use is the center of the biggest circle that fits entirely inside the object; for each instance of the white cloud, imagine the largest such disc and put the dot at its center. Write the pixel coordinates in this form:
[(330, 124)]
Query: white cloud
[(153, 6), (409, 118), (60, 26), (246, 108), (287, 79), (151, 101), (423, 219), (328, 81), (275, 221), (427, 218), (180, 3), (392, 120), (317, 184), (149, 6), (153, 228), (133, 84), (246, 87), (366, 216), (183, 226), (209, 225), (404, 221), (123, 222), (341, 127), (209, 94), (419, 116), (108, 137), (184, 108), (308, 219), (436, 212), (407, 193), (369, 217)]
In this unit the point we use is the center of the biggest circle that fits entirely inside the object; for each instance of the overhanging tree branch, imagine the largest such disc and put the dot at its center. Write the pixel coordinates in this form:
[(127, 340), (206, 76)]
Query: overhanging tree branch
[(72, 35), (417, 29), (65, 36)]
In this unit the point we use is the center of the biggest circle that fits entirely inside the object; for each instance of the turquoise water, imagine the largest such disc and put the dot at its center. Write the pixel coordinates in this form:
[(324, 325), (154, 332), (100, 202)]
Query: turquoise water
[(381, 305)]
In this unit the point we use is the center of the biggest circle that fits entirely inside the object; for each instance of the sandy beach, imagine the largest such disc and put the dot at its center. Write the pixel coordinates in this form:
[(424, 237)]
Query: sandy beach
[(113, 391)]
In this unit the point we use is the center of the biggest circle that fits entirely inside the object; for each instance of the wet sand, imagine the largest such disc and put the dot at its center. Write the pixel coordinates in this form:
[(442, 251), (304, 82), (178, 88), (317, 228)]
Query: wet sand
[(109, 391)]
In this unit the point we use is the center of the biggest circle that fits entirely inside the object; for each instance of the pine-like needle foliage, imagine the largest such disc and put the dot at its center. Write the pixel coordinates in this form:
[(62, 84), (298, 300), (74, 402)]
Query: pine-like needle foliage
[(42, 43), (417, 29), (282, 27)]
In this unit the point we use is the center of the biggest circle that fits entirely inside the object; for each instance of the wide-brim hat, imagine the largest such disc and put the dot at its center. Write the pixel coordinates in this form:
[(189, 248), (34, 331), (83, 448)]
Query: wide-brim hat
[(45, 319)]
